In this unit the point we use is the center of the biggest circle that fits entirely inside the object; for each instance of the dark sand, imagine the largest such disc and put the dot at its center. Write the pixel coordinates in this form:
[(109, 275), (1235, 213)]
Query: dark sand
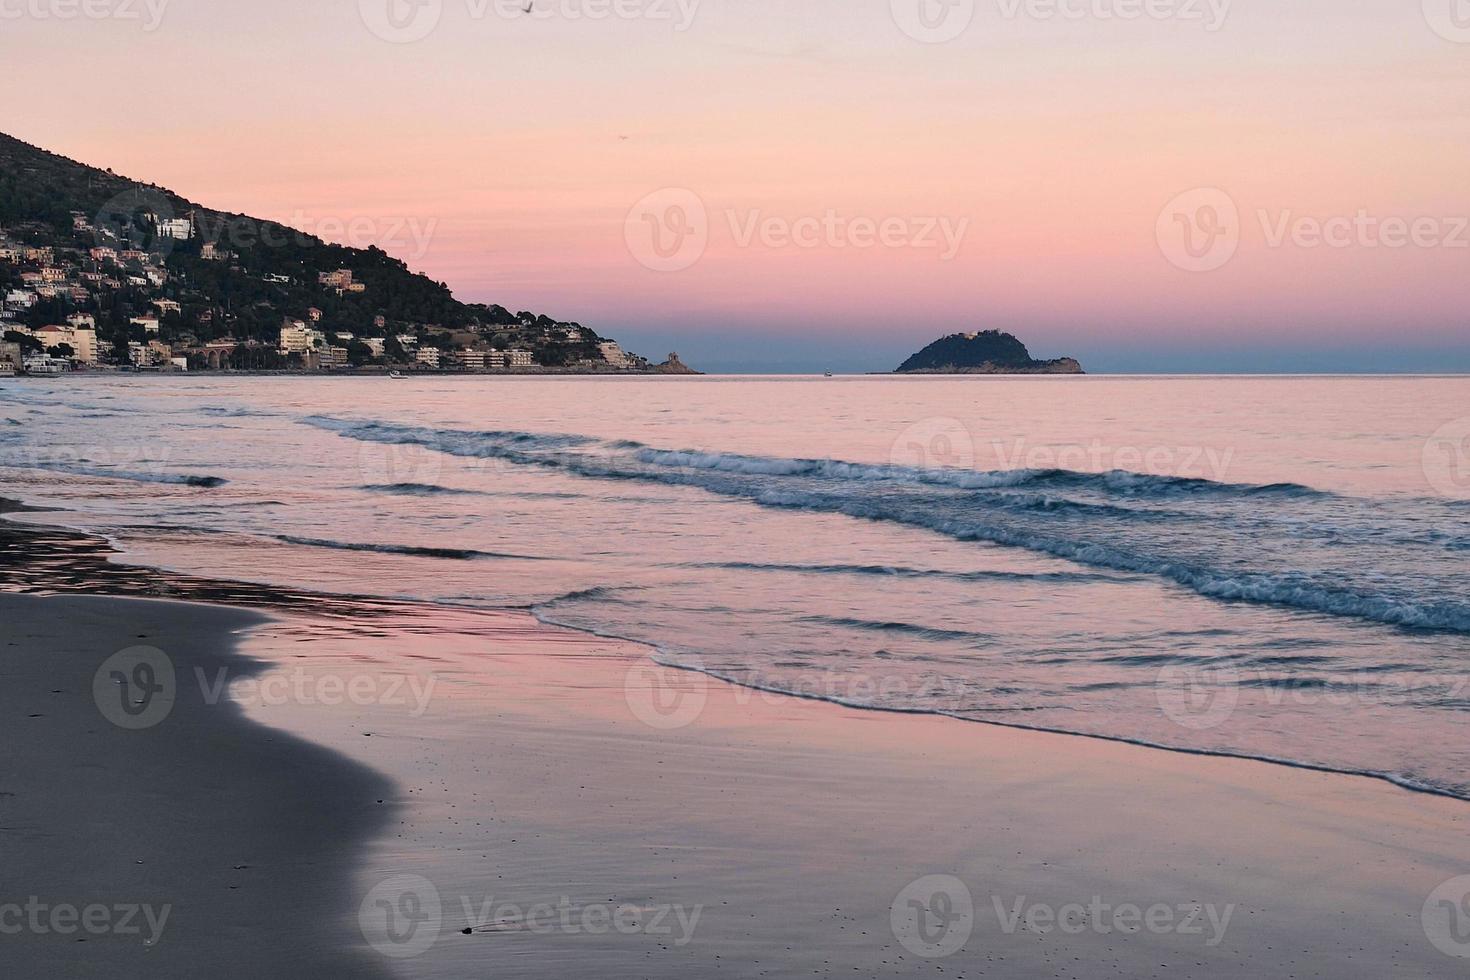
[(245, 836)]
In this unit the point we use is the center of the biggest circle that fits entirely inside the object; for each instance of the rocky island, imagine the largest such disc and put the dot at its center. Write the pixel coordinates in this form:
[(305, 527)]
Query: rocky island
[(990, 352)]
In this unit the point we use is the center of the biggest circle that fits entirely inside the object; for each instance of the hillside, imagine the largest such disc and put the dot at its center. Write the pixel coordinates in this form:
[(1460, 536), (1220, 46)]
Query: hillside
[(990, 352), (80, 240)]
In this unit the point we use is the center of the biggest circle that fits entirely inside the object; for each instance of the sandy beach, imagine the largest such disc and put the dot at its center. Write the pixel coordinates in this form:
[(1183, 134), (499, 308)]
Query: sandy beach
[(378, 788), (195, 844)]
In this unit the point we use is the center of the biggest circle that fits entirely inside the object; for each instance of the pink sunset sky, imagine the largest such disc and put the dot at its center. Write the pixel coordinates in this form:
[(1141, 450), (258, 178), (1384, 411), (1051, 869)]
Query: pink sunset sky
[(507, 154)]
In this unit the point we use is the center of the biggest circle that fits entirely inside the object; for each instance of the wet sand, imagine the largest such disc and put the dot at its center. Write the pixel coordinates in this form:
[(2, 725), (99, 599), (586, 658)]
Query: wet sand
[(553, 769), (584, 814), (202, 845)]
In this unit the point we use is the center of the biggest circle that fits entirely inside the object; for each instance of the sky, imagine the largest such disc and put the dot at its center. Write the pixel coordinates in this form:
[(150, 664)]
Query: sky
[(808, 185)]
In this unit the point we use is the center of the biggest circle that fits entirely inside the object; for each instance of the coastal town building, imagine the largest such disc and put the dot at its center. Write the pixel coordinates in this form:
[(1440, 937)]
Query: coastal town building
[(298, 338), (82, 341), (340, 280), (428, 356), (469, 360), (179, 229), (613, 353), (519, 359)]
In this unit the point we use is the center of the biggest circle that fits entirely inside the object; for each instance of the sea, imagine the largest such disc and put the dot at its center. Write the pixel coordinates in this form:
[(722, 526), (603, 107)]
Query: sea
[(1267, 567)]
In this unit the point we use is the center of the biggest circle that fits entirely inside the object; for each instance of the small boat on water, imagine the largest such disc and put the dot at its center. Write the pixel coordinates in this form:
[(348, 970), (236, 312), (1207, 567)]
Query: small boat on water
[(395, 376)]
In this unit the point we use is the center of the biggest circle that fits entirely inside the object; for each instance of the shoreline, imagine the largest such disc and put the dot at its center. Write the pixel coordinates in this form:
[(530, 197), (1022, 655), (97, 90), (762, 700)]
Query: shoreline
[(550, 765), (176, 838), (553, 766), (89, 556)]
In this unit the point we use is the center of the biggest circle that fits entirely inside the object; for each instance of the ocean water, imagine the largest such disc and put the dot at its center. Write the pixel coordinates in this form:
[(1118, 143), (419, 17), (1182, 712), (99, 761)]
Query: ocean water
[(1275, 568)]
